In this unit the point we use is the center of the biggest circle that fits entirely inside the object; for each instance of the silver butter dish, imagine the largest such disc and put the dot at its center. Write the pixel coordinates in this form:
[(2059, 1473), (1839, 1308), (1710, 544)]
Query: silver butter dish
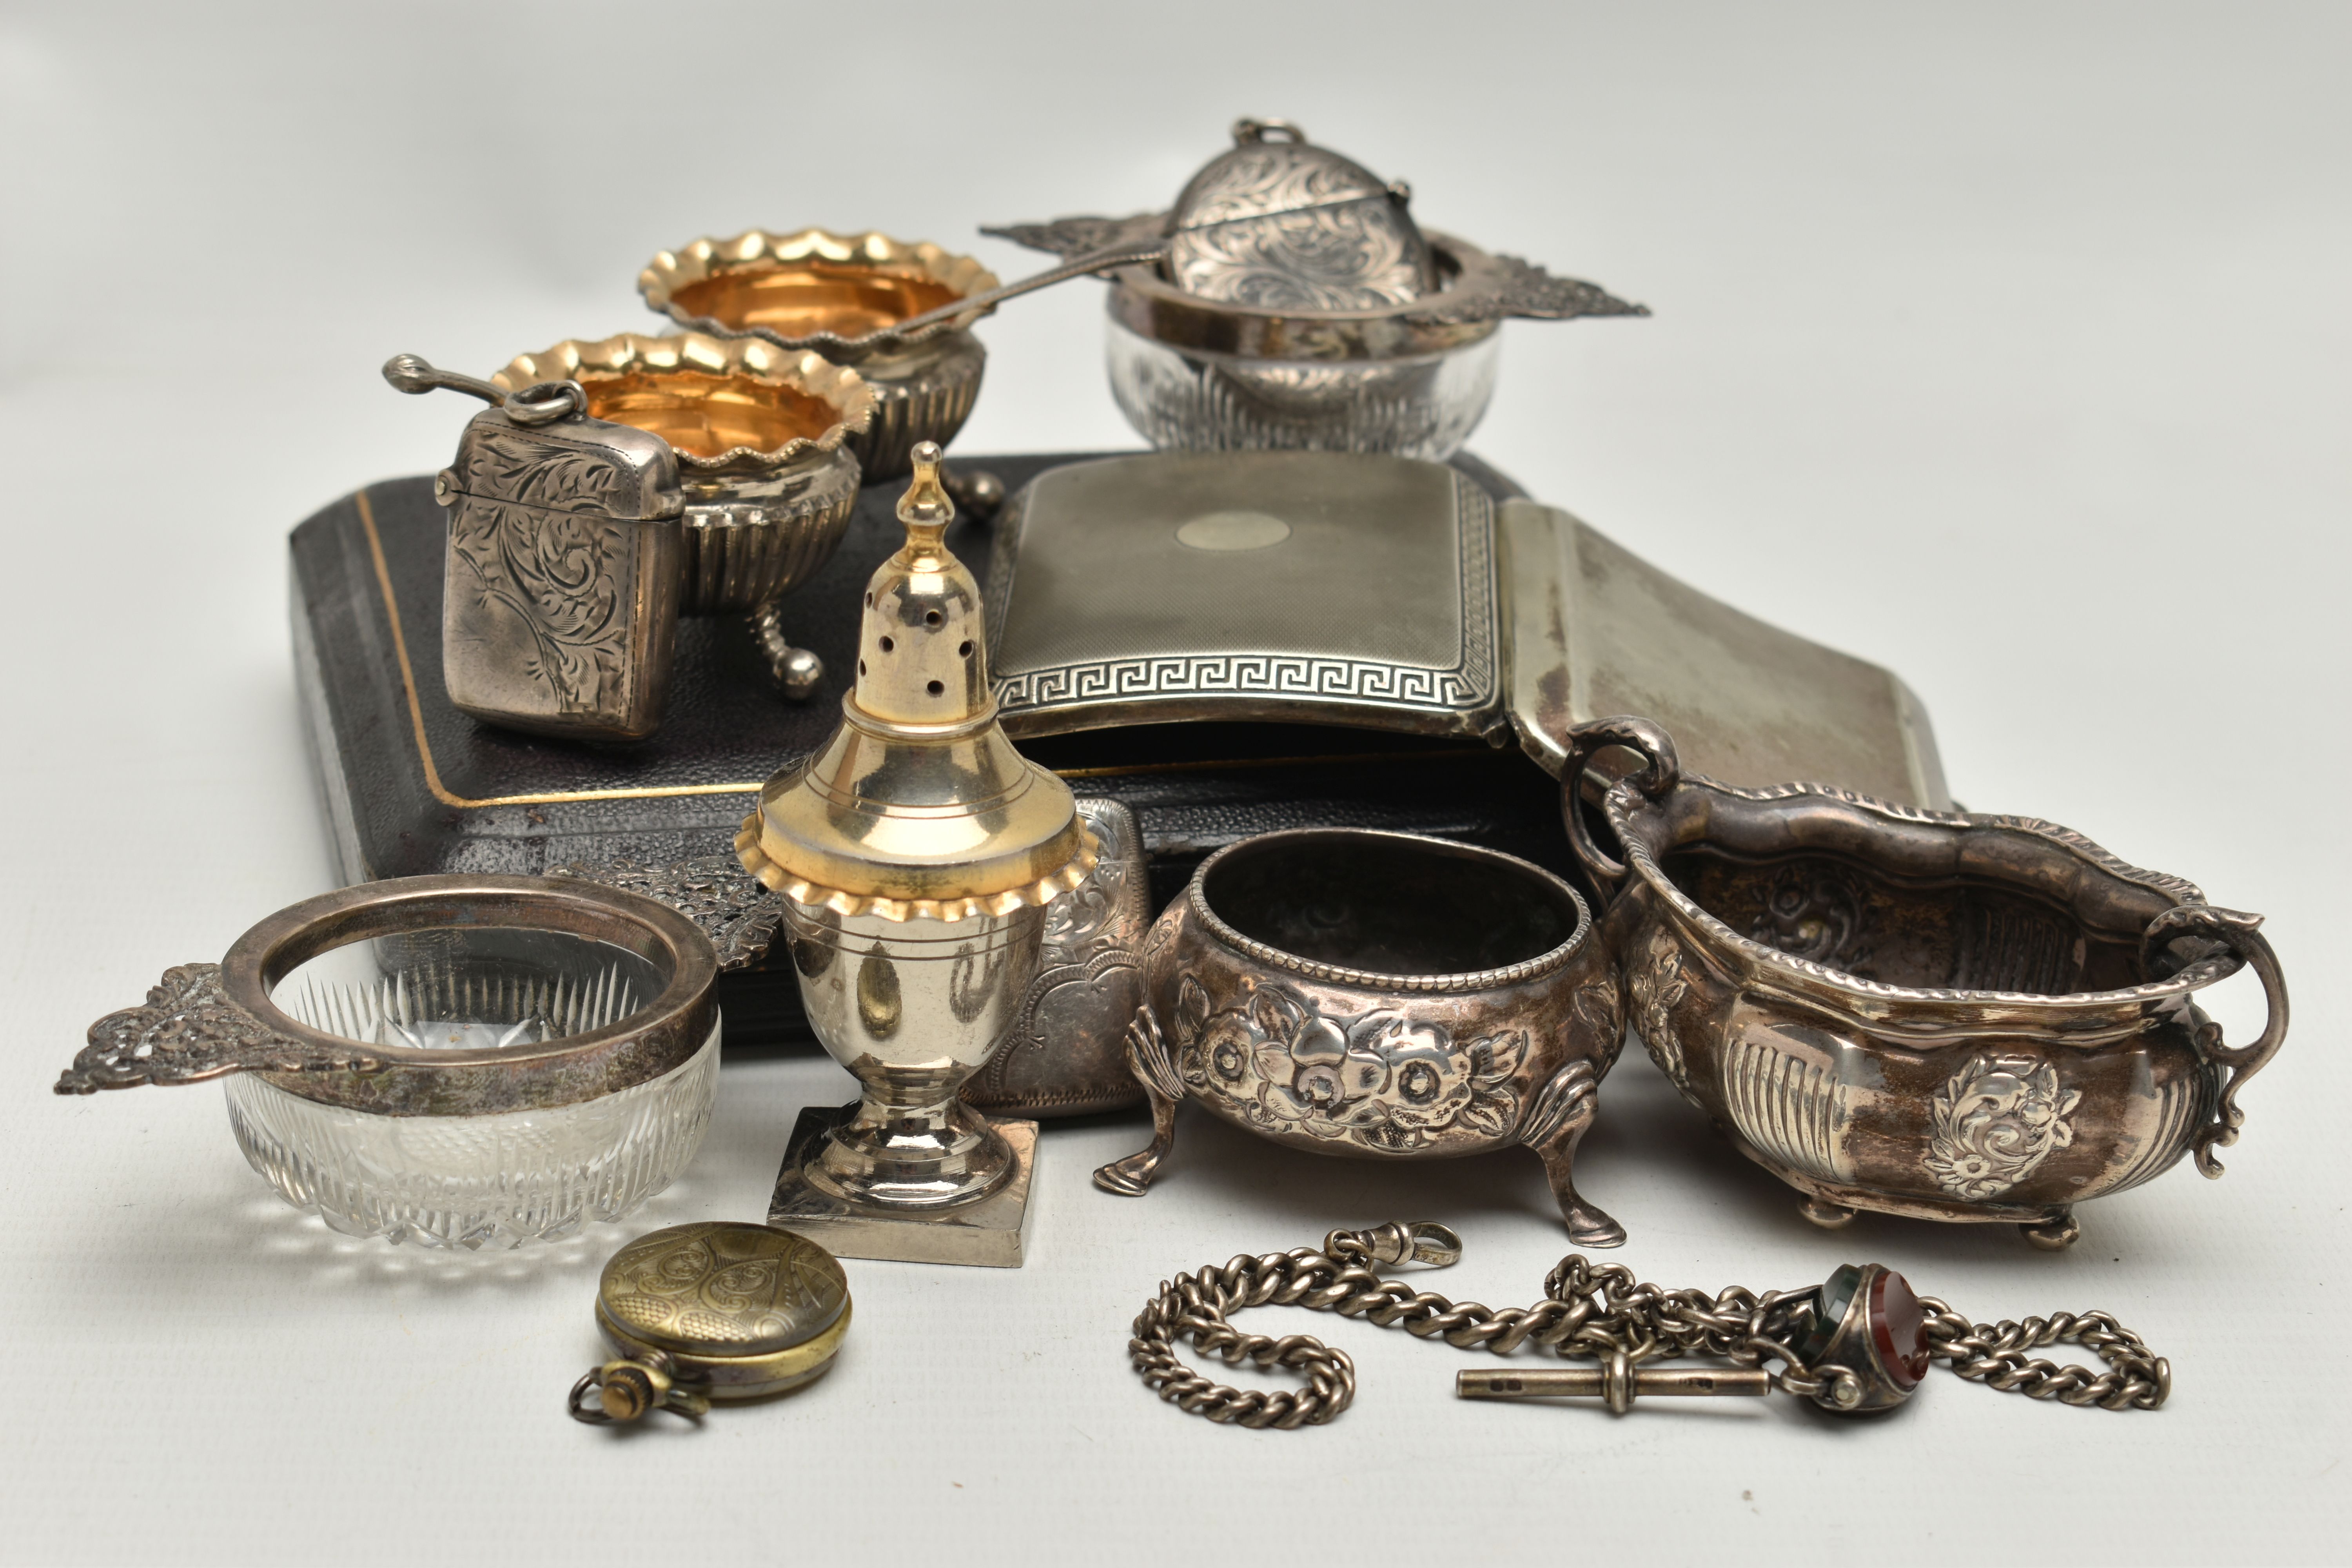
[(1289, 299)]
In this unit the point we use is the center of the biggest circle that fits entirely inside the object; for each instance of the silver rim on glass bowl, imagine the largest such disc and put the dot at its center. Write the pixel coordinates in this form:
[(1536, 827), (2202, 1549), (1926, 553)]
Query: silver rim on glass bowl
[(452, 1060), (407, 1080)]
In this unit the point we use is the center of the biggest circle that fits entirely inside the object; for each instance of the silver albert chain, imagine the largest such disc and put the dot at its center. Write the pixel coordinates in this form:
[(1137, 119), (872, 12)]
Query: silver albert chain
[(1861, 1341)]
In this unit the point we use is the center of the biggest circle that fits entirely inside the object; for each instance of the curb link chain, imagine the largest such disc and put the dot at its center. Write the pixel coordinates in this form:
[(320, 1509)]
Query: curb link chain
[(1597, 1310)]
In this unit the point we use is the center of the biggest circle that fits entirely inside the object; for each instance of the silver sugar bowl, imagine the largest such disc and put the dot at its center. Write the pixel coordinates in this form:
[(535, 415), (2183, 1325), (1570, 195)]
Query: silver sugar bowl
[(1382, 996)]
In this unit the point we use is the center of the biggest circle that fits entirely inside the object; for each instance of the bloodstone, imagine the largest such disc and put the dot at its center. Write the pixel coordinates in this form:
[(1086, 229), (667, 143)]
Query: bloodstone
[(1898, 1329), (1830, 1304)]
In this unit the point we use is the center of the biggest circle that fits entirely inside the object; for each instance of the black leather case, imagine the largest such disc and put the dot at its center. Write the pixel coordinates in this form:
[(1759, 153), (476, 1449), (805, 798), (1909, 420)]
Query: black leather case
[(411, 785)]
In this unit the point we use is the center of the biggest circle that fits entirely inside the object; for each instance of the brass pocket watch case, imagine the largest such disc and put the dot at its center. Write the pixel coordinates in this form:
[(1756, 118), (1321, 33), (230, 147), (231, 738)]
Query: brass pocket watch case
[(720, 1311)]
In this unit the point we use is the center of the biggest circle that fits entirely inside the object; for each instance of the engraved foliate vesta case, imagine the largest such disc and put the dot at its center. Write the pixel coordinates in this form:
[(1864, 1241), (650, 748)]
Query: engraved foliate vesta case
[(916, 853), (561, 603)]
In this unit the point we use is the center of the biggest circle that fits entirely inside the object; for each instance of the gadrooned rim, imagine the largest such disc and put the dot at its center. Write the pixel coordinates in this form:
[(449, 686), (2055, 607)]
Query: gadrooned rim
[(838, 386), (668, 1030), (661, 278), (1638, 857), (1527, 969)]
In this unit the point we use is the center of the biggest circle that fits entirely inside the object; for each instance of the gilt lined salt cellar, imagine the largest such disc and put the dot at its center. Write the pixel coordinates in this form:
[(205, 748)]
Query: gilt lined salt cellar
[(914, 853)]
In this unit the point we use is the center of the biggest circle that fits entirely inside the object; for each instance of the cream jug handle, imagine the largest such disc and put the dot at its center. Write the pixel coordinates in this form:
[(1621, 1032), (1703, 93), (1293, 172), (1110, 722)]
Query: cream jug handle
[(1657, 778), (2241, 934)]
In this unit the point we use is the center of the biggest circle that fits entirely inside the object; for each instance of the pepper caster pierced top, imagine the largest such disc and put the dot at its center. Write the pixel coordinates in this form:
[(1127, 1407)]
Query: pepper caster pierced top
[(914, 853)]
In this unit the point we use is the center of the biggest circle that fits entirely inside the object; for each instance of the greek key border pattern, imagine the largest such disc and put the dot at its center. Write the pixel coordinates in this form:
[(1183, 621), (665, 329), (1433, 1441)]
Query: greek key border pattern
[(1468, 685)]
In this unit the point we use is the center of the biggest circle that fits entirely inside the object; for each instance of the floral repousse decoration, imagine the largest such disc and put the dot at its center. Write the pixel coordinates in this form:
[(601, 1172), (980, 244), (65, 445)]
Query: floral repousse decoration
[(1376, 1080), (1815, 911), (1658, 984), (1998, 1119)]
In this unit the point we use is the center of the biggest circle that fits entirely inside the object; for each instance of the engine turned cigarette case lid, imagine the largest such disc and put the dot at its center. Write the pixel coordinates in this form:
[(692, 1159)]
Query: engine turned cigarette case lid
[(1329, 587), (723, 1309)]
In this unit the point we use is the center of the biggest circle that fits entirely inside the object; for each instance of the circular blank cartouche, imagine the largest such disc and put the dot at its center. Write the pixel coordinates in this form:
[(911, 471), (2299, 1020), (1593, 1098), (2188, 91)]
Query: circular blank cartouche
[(1232, 530)]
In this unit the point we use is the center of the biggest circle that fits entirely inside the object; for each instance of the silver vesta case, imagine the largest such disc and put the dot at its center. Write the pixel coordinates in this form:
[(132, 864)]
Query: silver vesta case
[(561, 596)]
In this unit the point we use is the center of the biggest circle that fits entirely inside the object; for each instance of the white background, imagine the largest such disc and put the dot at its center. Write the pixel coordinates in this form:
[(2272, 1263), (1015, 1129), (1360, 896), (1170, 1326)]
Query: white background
[(2004, 344)]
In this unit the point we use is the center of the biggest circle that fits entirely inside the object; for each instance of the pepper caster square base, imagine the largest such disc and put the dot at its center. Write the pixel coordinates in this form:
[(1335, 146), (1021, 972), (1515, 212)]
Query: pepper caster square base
[(984, 1235)]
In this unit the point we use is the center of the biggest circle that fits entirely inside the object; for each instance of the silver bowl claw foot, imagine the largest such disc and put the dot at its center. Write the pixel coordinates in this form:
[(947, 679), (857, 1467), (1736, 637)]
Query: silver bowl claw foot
[(1147, 1059), (1559, 1116), (2055, 1234)]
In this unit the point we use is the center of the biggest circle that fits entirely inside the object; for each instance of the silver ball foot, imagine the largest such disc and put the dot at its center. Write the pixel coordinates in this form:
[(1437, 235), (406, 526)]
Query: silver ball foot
[(797, 675), (976, 491), (794, 671), (1827, 1214)]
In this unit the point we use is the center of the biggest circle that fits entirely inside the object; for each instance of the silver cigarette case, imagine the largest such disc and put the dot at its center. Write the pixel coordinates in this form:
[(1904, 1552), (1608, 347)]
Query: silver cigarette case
[(1393, 594), (1320, 587)]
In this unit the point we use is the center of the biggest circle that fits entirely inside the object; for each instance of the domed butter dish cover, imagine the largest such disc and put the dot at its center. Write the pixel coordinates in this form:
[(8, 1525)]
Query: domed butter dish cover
[(1278, 221)]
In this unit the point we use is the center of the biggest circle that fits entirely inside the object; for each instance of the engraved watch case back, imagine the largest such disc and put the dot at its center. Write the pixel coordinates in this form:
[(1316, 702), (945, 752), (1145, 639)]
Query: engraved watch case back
[(725, 1308), (1329, 588)]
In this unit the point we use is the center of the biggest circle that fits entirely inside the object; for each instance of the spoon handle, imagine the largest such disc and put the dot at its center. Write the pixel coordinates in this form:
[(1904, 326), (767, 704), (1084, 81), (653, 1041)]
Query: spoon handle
[(1101, 259), (411, 372)]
